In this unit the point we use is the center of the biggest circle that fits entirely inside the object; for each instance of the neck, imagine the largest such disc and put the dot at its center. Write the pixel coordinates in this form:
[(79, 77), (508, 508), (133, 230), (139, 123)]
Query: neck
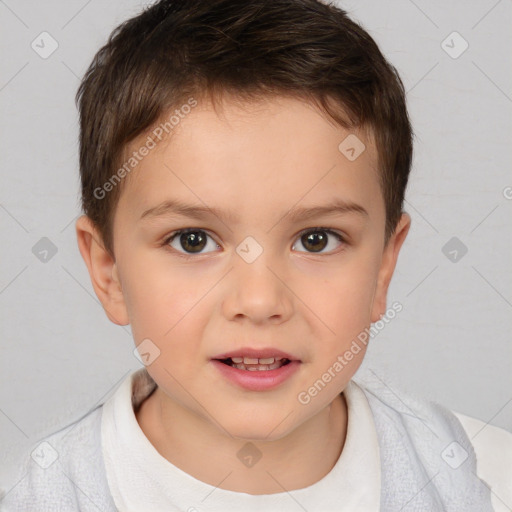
[(297, 460)]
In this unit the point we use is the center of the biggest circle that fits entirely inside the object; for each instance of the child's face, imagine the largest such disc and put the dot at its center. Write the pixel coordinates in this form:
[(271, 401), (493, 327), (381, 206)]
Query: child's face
[(258, 165)]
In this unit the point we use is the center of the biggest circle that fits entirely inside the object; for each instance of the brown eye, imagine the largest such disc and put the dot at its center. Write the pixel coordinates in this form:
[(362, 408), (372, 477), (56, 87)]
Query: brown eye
[(193, 241), (316, 240), (190, 241)]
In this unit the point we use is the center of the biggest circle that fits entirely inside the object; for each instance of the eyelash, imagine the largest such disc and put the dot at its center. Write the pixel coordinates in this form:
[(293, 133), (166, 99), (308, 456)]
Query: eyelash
[(185, 255)]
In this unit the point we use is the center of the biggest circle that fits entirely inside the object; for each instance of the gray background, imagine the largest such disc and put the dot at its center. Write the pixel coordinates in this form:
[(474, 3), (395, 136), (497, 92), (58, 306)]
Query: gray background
[(60, 355)]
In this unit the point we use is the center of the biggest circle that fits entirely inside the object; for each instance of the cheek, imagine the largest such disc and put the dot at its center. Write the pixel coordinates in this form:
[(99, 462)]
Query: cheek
[(342, 296), (353, 301), (160, 300), (344, 305)]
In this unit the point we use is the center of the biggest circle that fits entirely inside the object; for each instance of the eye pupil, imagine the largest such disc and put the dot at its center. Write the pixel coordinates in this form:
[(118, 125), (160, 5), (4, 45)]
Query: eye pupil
[(194, 239), (310, 240)]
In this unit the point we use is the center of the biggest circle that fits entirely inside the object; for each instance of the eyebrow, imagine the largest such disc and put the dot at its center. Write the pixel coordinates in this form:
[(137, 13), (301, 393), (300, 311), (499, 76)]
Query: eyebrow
[(176, 207)]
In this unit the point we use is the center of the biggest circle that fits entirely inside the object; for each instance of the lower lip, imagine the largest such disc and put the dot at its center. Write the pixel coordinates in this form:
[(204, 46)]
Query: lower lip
[(257, 380)]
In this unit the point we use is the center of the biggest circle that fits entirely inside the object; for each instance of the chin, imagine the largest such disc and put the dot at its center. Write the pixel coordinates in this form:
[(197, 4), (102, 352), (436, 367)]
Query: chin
[(257, 435), (261, 428)]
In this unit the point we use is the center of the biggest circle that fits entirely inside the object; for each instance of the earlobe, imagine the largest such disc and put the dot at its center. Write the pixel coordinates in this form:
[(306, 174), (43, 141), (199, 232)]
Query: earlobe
[(102, 271), (389, 259)]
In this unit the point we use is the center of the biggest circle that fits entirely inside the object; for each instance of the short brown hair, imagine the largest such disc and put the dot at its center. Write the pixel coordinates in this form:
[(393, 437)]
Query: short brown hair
[(177, 49)]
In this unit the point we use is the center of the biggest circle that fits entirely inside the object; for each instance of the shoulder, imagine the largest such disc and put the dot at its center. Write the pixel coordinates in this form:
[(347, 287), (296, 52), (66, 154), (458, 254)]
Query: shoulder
[(493, 449), (64, 468), (455, 449)]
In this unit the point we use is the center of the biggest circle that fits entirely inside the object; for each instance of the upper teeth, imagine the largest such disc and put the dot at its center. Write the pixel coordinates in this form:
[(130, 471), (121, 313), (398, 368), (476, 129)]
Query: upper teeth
[(253, 360)]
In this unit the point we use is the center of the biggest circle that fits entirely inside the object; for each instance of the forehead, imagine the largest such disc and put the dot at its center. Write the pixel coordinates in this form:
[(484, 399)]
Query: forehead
[(254, 157)]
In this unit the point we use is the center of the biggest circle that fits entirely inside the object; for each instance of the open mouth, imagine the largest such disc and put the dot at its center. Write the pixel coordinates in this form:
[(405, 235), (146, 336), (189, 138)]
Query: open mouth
[(255, 364), (261, 370)]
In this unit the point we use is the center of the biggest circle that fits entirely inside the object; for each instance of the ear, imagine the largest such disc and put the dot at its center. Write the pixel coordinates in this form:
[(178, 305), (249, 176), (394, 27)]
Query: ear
[(389, 259), (102, 269)]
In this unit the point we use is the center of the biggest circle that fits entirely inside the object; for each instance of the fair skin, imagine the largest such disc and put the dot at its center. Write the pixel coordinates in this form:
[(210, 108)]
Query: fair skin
[(258, 162)]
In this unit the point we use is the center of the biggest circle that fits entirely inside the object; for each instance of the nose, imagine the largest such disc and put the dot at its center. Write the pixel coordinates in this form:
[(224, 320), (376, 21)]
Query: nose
[(257, 291)]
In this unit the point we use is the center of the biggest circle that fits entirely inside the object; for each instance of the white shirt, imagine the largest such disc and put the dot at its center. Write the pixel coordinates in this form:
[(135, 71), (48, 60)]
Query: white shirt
[(141, 479)]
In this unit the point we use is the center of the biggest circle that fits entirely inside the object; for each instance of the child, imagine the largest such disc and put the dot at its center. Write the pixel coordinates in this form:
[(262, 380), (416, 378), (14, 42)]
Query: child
[(243, 168)]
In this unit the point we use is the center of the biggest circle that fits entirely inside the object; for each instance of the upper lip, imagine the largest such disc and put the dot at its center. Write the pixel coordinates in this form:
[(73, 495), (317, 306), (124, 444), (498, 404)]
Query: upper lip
[(260, 353)]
